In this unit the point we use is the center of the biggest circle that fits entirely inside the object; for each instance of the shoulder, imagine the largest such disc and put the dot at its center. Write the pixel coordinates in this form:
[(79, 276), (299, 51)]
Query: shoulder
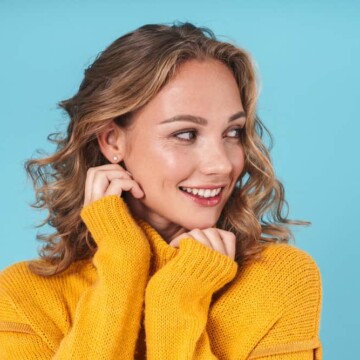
[(9, 280), (25, 295), (293, 283), (19, 275), (286, 277), (295, 276), (282, 264), (290, 264), (14, 283), (287, 255), (287, 274), (282, 291), (14, 275)]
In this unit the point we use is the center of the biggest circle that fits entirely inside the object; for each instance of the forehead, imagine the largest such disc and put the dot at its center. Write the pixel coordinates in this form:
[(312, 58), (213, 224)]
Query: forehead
[(203, 88)]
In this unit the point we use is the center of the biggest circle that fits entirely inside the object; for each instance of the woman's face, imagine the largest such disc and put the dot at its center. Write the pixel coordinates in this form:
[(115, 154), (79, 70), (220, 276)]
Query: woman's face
[(187, 139)]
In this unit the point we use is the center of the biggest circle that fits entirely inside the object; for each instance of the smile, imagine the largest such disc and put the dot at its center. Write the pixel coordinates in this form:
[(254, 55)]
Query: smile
[(205, 193), (203, 197)]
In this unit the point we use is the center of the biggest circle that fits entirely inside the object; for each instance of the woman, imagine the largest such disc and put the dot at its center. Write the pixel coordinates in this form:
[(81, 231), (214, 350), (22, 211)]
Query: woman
[(169, 242)]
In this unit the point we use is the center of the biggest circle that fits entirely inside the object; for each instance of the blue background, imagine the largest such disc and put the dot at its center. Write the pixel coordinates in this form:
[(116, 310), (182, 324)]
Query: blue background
[(307, 53)]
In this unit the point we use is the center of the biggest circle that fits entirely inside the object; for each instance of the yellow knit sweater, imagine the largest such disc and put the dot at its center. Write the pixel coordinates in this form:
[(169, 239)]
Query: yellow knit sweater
[(141, 296)]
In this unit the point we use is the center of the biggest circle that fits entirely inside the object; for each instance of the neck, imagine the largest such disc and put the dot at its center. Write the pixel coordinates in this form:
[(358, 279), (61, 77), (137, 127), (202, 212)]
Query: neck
[(163, 226)]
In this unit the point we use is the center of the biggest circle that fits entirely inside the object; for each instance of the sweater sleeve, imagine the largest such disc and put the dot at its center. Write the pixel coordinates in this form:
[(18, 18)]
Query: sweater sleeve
[(177, 302), (108, 314), (107, 319)]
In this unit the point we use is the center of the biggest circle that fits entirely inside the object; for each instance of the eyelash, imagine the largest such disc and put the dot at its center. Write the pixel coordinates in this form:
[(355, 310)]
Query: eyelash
[(195, 132)]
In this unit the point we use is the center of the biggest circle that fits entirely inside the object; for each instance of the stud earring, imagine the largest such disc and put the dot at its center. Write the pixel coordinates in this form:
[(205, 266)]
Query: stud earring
[(115, 158)]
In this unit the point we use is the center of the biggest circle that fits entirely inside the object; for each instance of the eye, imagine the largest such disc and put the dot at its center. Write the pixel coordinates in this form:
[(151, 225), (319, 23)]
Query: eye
[(236, 132), (187, 135)]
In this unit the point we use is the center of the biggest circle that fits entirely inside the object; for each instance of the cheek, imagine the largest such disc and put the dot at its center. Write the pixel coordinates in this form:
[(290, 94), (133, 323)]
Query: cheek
[(160, 165), (174, 162), (238, 162)]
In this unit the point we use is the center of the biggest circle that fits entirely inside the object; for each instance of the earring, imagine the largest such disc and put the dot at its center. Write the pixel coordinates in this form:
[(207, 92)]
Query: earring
[(115, 158)]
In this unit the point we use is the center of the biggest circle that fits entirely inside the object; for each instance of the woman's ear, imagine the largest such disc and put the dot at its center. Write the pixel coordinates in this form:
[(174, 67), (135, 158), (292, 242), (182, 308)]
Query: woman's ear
[(112, 142)]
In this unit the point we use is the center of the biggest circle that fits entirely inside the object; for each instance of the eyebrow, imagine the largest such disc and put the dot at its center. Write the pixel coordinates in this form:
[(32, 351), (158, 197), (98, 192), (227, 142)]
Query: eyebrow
[(200, 120)]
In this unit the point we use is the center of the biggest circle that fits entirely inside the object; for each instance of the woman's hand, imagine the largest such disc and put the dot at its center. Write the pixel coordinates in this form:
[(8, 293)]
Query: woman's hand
[(217, 239), (110, 179)]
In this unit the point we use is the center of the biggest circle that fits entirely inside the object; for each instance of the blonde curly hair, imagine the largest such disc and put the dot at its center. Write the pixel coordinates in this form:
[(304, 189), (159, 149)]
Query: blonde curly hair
[(123, 78)]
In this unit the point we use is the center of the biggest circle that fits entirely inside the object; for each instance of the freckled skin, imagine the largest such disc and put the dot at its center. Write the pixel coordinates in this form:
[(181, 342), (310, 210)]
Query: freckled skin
[(161, 163)]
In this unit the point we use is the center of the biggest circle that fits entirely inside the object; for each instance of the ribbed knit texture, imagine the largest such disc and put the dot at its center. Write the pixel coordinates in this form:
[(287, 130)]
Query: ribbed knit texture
[(140, 298)]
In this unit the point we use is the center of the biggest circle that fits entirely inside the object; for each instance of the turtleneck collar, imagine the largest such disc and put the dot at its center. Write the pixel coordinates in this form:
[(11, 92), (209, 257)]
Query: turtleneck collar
[(161, 251)]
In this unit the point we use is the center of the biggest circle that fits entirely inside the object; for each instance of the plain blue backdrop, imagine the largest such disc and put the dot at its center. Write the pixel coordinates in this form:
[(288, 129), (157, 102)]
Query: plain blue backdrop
[(307, 53)]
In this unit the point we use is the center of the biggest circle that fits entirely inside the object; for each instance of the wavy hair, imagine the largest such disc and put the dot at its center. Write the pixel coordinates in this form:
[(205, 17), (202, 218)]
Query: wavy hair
[(123, 78)]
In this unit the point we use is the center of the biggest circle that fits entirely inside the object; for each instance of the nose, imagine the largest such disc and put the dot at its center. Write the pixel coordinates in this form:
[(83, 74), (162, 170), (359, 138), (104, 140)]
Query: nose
[(215, 160)]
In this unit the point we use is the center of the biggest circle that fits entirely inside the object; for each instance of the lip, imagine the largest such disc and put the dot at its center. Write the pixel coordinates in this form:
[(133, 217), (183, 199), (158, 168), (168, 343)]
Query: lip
[(207, 187), (205, 202)]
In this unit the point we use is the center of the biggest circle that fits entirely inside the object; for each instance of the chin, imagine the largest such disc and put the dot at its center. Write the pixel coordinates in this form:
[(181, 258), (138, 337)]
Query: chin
[(198, 224)]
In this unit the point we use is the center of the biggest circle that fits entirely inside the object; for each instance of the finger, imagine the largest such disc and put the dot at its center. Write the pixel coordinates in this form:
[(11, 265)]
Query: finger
[(91, 172), (229, 240), (117, 186), (199, 235), (109, 167), (216, 240), (176, 241), (102, 179), (112, 174), (88, 185)]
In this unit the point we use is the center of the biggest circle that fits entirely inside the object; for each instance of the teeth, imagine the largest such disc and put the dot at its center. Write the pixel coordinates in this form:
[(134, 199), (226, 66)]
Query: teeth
[(202, 192), (207, 193)]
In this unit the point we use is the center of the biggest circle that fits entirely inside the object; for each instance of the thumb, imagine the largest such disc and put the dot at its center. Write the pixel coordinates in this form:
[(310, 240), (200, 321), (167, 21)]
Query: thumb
[(176, 241)]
